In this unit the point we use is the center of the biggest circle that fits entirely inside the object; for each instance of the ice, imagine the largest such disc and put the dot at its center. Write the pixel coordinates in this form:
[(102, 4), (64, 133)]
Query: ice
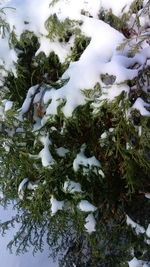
[(71, 187), (86, 206), (90, 223)]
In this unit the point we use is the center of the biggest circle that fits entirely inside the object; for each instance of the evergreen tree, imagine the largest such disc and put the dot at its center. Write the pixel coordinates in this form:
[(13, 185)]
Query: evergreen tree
[(76, 158)]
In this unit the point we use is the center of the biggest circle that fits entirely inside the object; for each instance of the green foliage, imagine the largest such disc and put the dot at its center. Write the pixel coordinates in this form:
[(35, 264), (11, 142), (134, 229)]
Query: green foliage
[(31, 69), (4, 26), (63, 30), (117, 138), (80, 45), (116, 22), (53, 2)]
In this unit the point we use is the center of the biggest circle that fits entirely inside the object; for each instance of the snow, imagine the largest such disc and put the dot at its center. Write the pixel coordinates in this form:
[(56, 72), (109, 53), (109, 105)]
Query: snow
[(116, 6), (22, 187), (103, 135), (148, 231), (101, 173), (61, 151), (138, 228), (147, 195), (90, 223), (137, 263), (7, 56), (31, 186), (73, 8), (25, 11), (27, 102), (6, 147), (25, 184), (101, 57), (22, 260), (140, 105), (95, 60), (82, 160), (71, 187), (45, 155), (1, 111), (8, 104), (4, 107), (56, 205), (86, 206)]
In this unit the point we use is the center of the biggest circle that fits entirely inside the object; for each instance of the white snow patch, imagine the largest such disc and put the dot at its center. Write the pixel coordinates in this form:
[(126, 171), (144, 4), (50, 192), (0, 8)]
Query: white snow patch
[(31, 186), (45, 155), (8, 104), (140, 105), (103, 135), (61, 151), (90, 223), (86, 206), (71, 187), (27, 102), (25, 184), (27, 259), (56, 205), (138, 228), (101, 173), (148, 231), (21, 188), (147, 195), (116, 6), (1, 111), (7, 56), (138, 263), (82, 160), (100, 56)]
